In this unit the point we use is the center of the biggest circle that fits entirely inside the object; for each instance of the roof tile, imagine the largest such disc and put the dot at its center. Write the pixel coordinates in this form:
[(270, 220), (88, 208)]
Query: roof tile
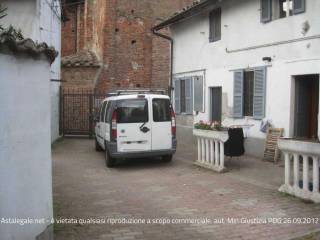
[(84, 58)]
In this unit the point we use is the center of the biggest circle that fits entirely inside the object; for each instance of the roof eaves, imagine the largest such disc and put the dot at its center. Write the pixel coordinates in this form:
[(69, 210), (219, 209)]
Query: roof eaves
[(186, 13), (27, 46)]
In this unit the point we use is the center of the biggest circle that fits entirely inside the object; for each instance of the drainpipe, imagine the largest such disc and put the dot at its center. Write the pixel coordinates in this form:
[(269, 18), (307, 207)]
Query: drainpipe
[(154, 31)]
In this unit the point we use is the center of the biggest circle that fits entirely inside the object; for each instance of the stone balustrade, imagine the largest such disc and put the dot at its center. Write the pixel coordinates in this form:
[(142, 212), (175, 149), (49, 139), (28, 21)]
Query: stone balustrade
[(301, 181), (211, 149)]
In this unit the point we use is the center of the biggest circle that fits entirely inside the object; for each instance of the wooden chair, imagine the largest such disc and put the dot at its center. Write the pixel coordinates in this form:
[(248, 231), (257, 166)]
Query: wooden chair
[(271, 151)]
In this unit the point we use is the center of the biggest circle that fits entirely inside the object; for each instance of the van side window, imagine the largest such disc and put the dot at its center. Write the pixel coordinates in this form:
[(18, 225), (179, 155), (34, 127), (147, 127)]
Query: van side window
[(108, 114), (102, 112), (161, 110), (132, 111)]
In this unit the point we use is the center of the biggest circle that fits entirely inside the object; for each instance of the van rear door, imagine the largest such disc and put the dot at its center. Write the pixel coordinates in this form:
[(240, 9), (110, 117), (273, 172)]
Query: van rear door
[(161, 124), (133, 125)]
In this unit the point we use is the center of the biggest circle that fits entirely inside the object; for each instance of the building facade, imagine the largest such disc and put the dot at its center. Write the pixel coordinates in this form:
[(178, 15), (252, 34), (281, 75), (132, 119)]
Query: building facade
[(247, 63), (118, 34)]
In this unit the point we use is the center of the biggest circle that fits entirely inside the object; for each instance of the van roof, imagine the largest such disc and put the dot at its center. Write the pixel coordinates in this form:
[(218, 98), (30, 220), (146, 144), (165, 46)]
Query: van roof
[(132, 96)]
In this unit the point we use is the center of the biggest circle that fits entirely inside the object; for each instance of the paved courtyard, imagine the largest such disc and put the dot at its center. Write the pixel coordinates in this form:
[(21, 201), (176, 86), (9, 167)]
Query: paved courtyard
[(173, 196)]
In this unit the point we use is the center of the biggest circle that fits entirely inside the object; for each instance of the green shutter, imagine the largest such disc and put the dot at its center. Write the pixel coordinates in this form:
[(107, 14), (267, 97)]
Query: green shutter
[(189, 95), (266, 10), (259, 94), (198, 93), (299, 6), (177, 95), (238, 94)]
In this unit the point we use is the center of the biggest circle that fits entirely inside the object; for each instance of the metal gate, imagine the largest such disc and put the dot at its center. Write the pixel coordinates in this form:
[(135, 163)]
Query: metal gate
[(78, 109)]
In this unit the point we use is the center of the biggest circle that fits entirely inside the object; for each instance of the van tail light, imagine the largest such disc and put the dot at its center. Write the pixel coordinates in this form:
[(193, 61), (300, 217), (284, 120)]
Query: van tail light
[(114, 126), (173, 123)]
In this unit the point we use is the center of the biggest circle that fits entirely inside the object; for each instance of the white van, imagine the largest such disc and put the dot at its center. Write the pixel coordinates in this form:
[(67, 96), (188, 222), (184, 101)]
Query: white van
[(136, 125)]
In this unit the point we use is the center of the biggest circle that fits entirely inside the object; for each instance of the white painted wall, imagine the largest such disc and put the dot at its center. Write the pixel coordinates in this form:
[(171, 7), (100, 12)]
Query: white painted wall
[(25, 154), (241, 27), (40, 21)]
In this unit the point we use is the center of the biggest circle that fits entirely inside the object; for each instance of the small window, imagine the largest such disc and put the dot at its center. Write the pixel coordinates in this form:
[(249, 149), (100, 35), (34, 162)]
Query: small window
[(248, 93), (215, 25), (161, 110), (132, 111)]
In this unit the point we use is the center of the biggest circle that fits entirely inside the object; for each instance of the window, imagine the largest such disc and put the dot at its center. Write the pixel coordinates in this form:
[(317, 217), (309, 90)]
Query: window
[(102, 111), (274, 9), (285, 8), (248, 93), (108, 113), (183, 95), (132, 111), (215, 25), (161, 110)]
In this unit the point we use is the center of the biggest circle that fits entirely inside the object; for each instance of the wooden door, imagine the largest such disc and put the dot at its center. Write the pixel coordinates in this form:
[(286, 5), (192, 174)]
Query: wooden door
[(306, 106)]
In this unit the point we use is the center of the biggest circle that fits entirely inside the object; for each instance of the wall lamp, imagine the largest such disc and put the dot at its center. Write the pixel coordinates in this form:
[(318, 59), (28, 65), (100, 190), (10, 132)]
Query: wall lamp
[(267, 59)]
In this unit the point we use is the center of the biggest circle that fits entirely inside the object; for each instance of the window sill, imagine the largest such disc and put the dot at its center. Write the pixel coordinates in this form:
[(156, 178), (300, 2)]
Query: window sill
[(247, 118), (213, 41), (184, 114), (283, 18)]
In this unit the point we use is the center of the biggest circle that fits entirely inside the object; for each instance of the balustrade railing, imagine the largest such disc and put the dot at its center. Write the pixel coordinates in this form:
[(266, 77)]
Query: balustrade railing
[(211, 149), (301, 171)]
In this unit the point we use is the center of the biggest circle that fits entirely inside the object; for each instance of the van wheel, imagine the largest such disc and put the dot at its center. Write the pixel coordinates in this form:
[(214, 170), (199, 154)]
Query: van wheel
[(98, 147), (167, 158), (110, 162)]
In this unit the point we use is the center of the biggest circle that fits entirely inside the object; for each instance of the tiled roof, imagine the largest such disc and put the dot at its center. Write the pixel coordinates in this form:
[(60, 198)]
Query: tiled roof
[(195, 3), (26, 46), (83, 58), (196, 7)]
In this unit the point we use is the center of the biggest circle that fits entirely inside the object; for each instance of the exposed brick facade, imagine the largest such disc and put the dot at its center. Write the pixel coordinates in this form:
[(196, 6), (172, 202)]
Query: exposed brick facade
[(119, 33), (79, 76)]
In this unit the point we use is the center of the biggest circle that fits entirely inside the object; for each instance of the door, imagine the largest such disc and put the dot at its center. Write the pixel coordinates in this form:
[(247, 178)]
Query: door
[(161, 125), (216, 104), (133, 125), (306, 106)]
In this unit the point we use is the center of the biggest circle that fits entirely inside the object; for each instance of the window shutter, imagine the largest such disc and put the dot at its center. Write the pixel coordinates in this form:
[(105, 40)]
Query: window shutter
[(259, 94), (215, 25), (299, 6), (177, 95), (189, 96), (211, 26), (266, 10), (238, 94), (198, 93)]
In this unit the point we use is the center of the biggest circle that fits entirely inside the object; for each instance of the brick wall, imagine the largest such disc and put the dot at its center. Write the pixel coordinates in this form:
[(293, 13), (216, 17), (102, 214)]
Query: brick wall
[(119, 32), (68, 33), (79, 77)]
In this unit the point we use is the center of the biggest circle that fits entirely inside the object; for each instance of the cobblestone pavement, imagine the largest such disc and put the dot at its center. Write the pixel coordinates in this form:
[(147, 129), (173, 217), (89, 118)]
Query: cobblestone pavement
[(152, 189)]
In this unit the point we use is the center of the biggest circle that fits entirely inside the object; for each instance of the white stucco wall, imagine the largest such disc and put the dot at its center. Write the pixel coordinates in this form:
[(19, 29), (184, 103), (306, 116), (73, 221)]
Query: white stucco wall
[(241, 28), (40, 21), (25, 153)]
